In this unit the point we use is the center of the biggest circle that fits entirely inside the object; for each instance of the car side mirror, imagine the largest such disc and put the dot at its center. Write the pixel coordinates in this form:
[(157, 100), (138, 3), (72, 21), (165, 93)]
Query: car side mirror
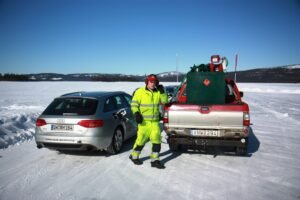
[(241, 94)]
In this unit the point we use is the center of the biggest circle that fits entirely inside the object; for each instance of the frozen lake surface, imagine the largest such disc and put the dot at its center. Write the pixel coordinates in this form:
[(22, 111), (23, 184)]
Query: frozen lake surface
[(270, 171)]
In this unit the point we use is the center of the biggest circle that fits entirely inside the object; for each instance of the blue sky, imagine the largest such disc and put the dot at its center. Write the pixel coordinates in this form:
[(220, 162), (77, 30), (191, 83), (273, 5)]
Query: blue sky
[(144, 36)]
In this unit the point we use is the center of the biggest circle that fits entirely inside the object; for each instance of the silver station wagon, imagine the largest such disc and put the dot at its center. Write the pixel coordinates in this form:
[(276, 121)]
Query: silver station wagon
[(86, 121)]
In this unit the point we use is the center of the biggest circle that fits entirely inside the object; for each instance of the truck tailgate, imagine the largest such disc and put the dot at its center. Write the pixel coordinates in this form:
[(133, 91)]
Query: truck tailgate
[(206, 117)]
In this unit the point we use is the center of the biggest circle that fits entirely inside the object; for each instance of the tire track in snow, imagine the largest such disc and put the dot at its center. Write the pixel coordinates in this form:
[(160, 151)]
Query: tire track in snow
[(258, 107)]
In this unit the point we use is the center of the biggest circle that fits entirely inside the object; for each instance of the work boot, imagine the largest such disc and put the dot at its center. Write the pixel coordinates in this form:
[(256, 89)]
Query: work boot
[(157, 164), (135, 161)]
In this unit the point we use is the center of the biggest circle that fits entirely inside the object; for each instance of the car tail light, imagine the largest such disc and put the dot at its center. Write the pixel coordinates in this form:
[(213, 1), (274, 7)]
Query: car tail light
[(40, 122), (246, 121), (91, 123)]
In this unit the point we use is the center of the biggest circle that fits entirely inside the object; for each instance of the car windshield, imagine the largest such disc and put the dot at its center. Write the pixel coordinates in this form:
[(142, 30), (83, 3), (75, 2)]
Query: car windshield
[(72, 106)]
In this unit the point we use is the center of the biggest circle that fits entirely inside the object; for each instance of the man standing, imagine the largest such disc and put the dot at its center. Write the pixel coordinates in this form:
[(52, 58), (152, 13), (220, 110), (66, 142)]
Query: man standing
[(145, 106)]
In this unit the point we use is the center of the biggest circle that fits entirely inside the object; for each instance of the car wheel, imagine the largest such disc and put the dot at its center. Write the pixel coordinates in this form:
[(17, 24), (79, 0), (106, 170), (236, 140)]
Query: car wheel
[(116, 143)]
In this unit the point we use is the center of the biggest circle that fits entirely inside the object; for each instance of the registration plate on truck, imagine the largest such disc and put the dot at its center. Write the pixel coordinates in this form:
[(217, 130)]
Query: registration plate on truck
[(207, 133)]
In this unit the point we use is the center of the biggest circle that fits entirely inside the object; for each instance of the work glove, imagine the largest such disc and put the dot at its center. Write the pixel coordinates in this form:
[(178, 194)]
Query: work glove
[(138, 117), (161, 89)]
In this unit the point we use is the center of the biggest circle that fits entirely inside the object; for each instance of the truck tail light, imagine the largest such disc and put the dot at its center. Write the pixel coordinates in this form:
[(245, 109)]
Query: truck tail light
[(166, 118), (40, 122), (91, 123), (246, 119)]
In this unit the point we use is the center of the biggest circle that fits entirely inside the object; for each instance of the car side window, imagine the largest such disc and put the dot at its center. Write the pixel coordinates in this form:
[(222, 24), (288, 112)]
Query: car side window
[(120, 102), (127, 99), (109, 105)]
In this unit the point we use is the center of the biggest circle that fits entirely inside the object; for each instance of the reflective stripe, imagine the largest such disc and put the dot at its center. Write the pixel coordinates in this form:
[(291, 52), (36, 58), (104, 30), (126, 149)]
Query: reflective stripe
[(149, 105), (154, 156), (150, 117), (135, 154)]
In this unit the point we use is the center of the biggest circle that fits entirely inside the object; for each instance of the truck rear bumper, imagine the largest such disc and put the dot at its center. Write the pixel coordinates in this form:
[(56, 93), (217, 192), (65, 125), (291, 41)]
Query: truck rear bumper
[(225, 142)]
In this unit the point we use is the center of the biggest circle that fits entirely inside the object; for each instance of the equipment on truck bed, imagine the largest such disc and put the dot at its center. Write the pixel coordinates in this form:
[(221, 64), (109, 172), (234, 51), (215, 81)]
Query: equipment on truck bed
[(206, 82)]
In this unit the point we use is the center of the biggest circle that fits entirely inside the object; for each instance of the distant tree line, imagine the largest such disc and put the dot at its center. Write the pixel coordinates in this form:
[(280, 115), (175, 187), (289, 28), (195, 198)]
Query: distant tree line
[(113, 78), (264, 75), (134, 78), (13, 77)]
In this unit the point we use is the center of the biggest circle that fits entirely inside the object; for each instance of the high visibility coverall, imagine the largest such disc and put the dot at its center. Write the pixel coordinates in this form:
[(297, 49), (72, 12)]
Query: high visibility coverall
[(147, 103)]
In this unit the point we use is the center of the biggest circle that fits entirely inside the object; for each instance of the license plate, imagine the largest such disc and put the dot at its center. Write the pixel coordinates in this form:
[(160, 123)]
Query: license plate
[(207, 133), (60, 127)]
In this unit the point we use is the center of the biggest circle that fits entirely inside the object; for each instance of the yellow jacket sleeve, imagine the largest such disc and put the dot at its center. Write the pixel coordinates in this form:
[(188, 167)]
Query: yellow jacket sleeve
[(163, 98), (136, 101)]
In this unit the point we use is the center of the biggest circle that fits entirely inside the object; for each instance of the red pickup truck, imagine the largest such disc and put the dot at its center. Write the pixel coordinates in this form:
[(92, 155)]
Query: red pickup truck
[(206, 125)]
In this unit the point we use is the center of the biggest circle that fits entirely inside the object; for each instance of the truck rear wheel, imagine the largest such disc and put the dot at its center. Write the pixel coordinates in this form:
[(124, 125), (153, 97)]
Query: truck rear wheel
[(241, 151), (174, 146)]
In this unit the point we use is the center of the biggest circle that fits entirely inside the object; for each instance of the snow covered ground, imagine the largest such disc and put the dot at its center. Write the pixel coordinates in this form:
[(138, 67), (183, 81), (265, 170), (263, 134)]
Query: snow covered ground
[(270, 171)]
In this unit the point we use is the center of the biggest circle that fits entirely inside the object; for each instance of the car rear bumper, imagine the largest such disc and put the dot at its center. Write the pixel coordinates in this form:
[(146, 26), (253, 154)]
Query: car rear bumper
[(72, 143)]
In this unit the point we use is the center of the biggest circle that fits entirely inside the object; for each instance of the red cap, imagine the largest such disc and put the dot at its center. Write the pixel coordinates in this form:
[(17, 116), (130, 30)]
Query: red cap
[(152, 78)]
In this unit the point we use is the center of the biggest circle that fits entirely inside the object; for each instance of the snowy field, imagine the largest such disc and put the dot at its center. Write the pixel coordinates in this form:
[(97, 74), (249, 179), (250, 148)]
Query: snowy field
[(270, 171)]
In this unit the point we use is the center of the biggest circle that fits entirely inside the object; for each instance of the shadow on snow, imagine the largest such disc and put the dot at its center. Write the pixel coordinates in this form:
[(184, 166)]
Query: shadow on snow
[(253, 146)]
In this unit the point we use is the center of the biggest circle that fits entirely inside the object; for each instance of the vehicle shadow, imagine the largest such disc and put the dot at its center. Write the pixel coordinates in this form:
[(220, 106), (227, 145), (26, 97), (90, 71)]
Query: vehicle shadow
[(253, 142), (171, 155), (253, 146), (83, 153), (128, 145)]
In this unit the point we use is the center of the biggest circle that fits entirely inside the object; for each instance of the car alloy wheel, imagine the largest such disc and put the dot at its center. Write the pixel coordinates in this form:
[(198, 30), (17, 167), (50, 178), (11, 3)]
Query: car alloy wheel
[(116, 143), (118, 140)]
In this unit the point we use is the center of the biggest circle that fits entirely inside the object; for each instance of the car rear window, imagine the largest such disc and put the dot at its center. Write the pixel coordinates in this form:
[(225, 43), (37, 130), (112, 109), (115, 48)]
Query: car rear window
[(72, 106)]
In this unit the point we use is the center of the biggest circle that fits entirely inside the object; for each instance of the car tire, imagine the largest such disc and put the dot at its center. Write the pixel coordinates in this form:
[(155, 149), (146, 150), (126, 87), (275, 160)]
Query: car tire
[(116, 142)]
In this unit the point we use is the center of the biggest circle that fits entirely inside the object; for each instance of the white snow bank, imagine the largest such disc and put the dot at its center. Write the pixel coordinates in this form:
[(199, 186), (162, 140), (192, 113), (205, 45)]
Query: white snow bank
[(16, 128)]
